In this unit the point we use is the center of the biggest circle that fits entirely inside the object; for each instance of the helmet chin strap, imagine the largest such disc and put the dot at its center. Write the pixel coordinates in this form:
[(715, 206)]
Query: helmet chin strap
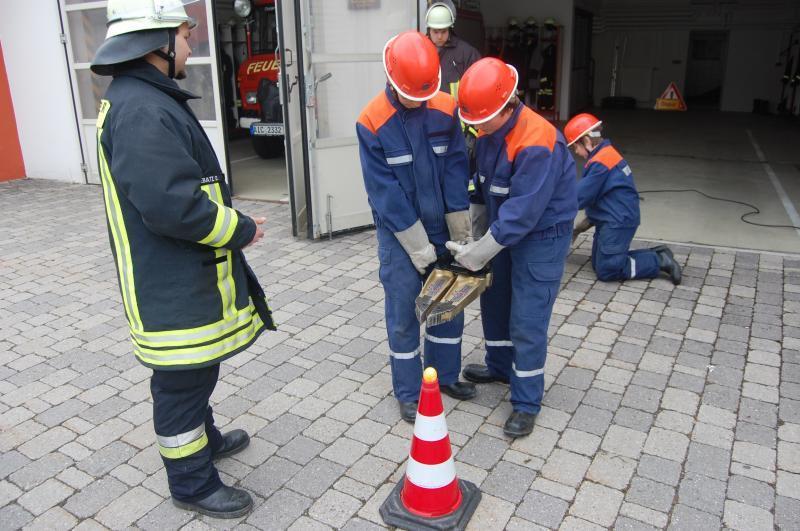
[(169, 55)]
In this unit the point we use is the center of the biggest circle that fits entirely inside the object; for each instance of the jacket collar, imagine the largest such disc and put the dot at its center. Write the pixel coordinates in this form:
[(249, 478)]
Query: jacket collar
[(150, 74), (599, 146), (390, 95), (509, 125)]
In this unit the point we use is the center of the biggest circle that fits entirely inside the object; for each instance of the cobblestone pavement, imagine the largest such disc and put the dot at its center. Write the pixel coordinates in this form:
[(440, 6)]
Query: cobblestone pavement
[(666, 407)]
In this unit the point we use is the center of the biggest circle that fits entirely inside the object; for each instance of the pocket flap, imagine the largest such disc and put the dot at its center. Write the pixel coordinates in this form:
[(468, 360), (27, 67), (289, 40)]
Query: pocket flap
[(546, 271), (385, 255)]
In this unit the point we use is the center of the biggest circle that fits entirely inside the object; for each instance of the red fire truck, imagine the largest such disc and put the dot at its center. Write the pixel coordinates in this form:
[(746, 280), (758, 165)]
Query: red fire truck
[(257, 78)]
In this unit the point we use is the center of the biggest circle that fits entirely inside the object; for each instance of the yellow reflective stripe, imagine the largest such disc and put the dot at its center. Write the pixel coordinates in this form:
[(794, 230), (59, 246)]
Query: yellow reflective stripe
[(225, 222), (118, 231), (185, 450), (471, 187), (225, 285), (454, 89), (190, 336), (197, 355)]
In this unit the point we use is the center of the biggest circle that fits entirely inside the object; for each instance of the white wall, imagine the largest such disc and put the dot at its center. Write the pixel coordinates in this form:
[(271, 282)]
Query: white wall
[(658, 46), (40, 89), (497, 12)]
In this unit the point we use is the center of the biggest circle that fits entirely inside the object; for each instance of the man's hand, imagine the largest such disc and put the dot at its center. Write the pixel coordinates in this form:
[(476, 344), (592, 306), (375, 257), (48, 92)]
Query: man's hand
[(475, 255), (582, 224), (259, 233)]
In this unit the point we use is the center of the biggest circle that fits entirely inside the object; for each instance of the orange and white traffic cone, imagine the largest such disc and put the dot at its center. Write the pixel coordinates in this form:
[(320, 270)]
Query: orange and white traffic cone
[(430, 496)]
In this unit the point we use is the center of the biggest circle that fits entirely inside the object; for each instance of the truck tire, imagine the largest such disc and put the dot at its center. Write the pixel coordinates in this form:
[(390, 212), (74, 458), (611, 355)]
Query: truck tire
[(268, 147)]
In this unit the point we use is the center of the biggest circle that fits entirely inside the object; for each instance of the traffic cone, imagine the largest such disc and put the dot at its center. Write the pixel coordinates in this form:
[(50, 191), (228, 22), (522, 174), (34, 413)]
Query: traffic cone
[(430, 496)]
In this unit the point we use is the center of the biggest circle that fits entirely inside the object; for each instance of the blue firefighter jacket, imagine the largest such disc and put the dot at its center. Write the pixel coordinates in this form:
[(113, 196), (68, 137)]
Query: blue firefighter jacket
[(525, 177), (606, 191), (414, 163)]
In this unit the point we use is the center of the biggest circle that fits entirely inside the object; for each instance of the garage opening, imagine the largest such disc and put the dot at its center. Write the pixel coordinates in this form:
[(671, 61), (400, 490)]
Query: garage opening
[(249, 67)]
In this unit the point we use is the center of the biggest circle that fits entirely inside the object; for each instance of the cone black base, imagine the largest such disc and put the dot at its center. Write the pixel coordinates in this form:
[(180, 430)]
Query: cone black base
[(395, 514)]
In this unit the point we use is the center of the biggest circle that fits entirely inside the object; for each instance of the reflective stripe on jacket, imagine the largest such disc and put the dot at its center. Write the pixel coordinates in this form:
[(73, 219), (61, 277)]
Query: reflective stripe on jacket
[(190, 298)]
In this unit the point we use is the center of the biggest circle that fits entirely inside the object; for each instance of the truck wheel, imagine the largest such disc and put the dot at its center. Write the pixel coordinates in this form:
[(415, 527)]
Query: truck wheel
[(268, 147)]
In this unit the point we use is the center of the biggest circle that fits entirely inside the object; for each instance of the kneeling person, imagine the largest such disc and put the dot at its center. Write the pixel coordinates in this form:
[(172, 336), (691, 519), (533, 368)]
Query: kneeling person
[(608, 194)]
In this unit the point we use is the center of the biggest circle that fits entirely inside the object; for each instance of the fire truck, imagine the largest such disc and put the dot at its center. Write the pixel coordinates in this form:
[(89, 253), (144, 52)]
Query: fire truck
[(257, 78)]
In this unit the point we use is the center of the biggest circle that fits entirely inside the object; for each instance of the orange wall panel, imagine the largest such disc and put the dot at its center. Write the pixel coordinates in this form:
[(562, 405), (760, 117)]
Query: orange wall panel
[(11, 163)]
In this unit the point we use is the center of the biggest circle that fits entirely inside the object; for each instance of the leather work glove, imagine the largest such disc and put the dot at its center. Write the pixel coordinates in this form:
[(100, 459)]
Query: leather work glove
[(581, 225), (414, 241), (474, 256), (459, 226), (479, 219)]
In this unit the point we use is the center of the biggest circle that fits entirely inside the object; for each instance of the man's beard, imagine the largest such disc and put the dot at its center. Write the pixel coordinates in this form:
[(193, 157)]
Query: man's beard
[(181, 75)]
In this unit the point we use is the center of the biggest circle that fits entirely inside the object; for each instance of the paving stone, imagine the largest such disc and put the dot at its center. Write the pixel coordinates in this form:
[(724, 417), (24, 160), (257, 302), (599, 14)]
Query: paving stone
[(751, 492), (482, 451), (643, 398), (542, 509), (14, 517), (94, 497), (316, 477), (689, 519), (301, 450), (269, 477), (651, 494), (659, 469), (611, 470), (128, 508), (591, 419), (54, 519), (279, 511), (754, 454), (746, 517), (508, 481), (165, 516), (667, 444), (597, 503), (624, 441), (40, 470), (702, 493), (334, 508), (633, 419), (566, 467), (708, 460), (787, 512)]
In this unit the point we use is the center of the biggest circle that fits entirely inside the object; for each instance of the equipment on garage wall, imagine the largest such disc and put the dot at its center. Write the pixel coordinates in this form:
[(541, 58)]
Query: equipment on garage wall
[(549, 76), (790, 59), (612, 101)]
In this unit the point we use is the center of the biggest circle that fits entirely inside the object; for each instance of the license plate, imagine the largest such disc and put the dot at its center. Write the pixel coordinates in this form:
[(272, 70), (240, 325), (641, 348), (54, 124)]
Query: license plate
[(266, 129)]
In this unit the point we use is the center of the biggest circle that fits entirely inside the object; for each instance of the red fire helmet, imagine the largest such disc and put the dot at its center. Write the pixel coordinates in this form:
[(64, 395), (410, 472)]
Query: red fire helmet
[(411, 63), (485, 89), (579, 126)]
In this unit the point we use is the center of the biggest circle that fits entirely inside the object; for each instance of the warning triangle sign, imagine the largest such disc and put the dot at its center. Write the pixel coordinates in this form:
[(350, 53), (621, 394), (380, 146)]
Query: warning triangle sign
[(671, 100)]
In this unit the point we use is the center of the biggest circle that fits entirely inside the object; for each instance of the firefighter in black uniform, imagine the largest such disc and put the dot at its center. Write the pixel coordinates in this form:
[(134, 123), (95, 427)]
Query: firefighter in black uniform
[(455, 56), (189, 296)]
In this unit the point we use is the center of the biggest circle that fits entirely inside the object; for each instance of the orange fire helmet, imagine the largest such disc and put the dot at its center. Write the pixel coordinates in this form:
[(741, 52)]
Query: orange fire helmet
[(581, 125), (411, 63), (485, 89)]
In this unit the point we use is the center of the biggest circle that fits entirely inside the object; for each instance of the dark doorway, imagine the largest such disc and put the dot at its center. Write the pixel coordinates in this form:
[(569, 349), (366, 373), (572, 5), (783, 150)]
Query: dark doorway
[(582, 80), (705, 69)]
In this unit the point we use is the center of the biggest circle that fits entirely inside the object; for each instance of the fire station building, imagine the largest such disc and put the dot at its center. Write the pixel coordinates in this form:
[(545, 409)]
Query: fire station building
[(283, 81)]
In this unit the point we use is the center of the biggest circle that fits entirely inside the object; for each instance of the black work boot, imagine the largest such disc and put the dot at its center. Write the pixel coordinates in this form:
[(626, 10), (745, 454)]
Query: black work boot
[(459, 390), (667, 264), (408, 411), (233, 442), (475, 372), (225, 502), (519, 424)]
